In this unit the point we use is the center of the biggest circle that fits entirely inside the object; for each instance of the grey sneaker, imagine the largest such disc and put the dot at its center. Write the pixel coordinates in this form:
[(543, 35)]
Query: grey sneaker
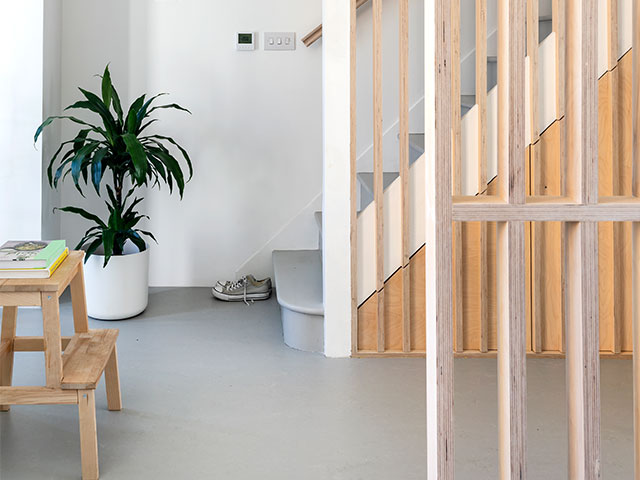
[(244, 290), (250, 277)]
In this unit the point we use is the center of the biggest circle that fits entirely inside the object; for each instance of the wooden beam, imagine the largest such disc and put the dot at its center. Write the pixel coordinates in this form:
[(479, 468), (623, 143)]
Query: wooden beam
[(583, 367), (403, 101), (36, 396), (636, 241), (438, 277), (34, 344), (481, 100), (7, 335), (512, 387), (511, 268), (546, 212), (316, 34), (511, 111), (378, 166), (353, 180), (457, 171), (52, 339)]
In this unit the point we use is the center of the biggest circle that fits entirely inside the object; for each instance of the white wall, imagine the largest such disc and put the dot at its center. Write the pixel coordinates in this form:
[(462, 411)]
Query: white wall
[(21, 30), (255, 133)]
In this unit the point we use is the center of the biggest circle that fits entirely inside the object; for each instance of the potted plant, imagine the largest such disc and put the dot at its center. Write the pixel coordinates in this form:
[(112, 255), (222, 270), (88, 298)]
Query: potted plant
[(116, 152)]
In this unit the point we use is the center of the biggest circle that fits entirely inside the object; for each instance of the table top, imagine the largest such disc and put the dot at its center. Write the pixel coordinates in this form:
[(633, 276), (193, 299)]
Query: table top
[(56, 283)]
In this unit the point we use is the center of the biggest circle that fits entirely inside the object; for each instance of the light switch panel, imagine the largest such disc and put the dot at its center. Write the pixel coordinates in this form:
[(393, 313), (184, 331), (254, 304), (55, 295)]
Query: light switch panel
[(279, 41)]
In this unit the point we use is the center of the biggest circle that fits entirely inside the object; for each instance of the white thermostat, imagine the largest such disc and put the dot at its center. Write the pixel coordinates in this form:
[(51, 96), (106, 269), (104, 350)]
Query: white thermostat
[(246, 41)]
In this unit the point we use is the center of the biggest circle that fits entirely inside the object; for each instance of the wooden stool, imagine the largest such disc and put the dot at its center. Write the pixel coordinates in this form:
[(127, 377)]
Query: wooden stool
[(71, 376)]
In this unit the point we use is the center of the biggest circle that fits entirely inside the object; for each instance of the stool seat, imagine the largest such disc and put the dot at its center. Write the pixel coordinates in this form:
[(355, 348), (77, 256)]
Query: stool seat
[(57, 282), (86, 357)]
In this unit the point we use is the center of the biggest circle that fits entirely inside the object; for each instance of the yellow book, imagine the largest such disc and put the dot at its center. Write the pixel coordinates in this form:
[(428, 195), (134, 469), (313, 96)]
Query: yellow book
[(35, 273)]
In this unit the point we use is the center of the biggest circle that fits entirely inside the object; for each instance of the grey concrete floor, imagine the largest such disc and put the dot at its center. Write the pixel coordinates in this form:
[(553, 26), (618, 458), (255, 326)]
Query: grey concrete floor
[(211, 392)]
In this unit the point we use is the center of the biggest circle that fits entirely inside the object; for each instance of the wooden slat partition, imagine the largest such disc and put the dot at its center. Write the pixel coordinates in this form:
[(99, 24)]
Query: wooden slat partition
[(583, 367), (353, 180), (636, 240), (511, 269), (378, 167), (481, 100), (403, 115), (456, 121), (438, 277)]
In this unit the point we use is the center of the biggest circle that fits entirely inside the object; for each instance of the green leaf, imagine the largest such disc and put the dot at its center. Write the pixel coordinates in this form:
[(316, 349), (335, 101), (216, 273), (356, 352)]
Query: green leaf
[(106, 87), (137, 240), (83, 213), (78, 142), (149, 234), (117, 106), (173, 167), (182, 150), (132, 115), (48, 121), (108, 237), (96, 168), (53, 159), (91, 248), (171, 105), (138, 156)]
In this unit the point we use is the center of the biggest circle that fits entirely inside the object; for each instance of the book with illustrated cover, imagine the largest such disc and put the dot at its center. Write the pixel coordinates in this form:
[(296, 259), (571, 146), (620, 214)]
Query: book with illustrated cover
[(30, 254), (35, 272)]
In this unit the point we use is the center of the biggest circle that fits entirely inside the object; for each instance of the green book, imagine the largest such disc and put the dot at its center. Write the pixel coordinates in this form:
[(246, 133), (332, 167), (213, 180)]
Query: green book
[(30, 254)]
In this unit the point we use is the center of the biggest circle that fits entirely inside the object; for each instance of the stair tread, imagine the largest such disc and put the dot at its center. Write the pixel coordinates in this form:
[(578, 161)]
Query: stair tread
[(298, 280), (85, 358)]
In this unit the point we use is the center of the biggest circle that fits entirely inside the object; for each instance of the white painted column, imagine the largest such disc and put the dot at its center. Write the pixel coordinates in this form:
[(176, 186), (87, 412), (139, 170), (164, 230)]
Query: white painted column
[(336, 172), (21, 37)]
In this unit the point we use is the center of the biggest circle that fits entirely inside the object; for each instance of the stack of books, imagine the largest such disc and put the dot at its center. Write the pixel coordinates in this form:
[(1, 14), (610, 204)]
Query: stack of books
[(31, 259)]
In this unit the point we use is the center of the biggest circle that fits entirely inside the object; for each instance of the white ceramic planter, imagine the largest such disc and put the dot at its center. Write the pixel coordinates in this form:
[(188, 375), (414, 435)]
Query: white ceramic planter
[(121, 290)]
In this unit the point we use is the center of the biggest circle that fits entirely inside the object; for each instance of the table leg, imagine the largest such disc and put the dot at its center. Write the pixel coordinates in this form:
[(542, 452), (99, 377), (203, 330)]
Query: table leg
[(52, 339), (79, 302), (88, 434), (8, 333)]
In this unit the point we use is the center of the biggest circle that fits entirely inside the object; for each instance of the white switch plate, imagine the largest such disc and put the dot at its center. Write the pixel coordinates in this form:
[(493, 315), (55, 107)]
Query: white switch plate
[(279, 41)]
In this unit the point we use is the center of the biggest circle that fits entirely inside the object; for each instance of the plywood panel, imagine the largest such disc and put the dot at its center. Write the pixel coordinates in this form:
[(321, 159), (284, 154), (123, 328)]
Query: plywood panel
[(368, 325), (418, 330), (393, 309), (547, 240)]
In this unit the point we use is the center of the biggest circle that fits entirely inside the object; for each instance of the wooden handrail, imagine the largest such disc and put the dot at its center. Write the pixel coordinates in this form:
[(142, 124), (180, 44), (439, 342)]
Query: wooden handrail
[(316, 33)]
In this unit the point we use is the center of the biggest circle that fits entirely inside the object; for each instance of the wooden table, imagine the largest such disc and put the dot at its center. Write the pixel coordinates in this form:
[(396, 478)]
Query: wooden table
[(73, 365)]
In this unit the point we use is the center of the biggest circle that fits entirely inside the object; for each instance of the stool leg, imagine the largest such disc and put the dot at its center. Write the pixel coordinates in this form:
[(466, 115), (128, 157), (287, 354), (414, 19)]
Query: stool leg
[(112, 382), (88, 434), (8, 333), (79, 302)]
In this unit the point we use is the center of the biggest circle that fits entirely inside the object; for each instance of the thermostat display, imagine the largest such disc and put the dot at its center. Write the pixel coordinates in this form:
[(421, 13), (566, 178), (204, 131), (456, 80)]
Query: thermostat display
[(245, 41)]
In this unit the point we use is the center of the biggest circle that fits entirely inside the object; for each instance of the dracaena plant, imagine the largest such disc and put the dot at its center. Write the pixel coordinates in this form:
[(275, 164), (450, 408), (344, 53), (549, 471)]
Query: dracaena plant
[(118, 152)]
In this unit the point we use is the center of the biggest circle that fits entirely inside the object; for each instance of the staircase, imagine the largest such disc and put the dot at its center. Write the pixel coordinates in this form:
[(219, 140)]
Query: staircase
[(298, 274)]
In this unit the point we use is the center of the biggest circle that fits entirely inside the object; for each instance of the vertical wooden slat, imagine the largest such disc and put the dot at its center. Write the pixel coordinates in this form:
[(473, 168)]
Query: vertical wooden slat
[(583, 368), (457, 172), (353, 181), (534, 126), (512, 387), (438, 277), (511, 269), (559, 27), (7, 334), (636, 240), (618, 228), (511, 78), (481, 100), (378, 187), (403, 101)]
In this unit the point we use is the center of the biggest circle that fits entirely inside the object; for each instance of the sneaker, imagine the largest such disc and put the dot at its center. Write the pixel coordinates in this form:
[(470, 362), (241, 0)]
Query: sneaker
[(244, 290), (250, 277)]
